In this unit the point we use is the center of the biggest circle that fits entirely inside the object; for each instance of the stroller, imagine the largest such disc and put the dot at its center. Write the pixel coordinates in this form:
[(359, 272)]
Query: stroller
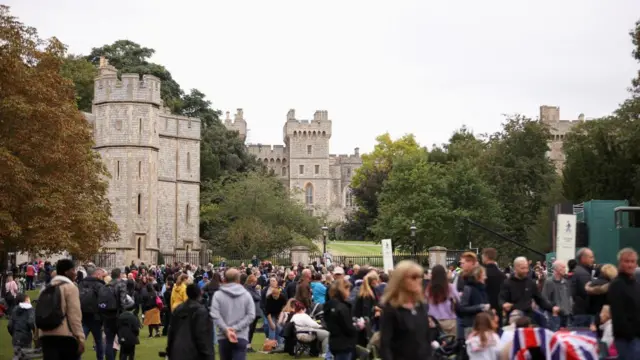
[(448, 346)]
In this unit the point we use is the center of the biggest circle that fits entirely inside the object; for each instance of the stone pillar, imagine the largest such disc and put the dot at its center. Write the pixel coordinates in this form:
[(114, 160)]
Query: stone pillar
[(300, 254), (437, 256)]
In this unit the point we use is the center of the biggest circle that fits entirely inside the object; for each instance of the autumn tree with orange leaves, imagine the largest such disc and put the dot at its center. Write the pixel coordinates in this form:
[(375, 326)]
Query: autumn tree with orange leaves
[(52, 184)]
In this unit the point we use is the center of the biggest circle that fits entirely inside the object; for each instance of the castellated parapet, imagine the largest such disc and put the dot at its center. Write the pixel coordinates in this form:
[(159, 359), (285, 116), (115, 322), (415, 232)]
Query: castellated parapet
[(550, 115), (319, 180), (129, 88), (238, 124)]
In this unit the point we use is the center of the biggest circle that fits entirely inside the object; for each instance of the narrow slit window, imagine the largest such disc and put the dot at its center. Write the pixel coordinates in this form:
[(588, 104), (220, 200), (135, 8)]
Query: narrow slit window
[(187, 214), (139, 248), (317, 169), (139, 169), (309, 149), (189, 161), (118, 170), (301, 169), (140, 125), (139, 203)]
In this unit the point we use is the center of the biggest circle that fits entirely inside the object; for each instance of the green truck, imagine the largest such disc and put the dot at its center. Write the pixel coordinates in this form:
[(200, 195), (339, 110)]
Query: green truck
[(608, 226)]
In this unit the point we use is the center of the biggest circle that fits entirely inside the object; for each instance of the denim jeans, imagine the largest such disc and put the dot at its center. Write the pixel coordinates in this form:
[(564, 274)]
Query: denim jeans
[(94, 326), (231, 351), (265, 326), (110, 335), (557, 322), (343, 356), (582, 321), (539, 318), (274, 334), (627, 349)]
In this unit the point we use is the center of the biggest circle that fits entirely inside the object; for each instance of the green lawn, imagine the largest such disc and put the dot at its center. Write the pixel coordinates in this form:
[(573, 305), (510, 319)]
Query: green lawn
[(147, 350), (354, 248)]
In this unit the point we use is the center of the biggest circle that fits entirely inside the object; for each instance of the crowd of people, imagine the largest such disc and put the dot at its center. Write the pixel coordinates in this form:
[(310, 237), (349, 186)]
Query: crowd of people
[(472, 310)]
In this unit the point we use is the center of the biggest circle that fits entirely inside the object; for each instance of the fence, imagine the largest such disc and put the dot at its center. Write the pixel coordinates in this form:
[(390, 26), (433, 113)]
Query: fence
[(106, 259), (191, 257), (236, 259)]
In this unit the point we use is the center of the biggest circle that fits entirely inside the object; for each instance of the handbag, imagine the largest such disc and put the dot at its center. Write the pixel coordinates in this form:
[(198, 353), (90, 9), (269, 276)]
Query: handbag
[(159, 303)]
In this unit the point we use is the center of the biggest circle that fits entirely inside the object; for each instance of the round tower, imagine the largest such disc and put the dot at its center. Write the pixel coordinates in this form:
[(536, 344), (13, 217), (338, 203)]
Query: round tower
[(126, 135)]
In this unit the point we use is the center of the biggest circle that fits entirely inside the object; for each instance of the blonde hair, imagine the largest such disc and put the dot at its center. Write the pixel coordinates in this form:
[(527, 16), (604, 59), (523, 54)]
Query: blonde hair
[(337, 287), (107, 279), (395, 293), (365, 289), (181, 279), (289, 306), (477, 272), (608, 271)]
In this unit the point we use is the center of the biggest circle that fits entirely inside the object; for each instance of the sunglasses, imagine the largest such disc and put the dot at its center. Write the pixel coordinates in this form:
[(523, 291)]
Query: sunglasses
[(415, 276)]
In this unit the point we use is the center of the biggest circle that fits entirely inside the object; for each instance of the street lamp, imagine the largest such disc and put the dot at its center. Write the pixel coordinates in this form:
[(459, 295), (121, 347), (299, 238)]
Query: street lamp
[(325, 230), (413, 237)]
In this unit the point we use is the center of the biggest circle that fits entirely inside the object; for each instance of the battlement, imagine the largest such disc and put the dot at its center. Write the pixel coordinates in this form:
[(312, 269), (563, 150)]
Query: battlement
[(238, 124), (319, 126), (347, 159), (267, 151), (128, 88)]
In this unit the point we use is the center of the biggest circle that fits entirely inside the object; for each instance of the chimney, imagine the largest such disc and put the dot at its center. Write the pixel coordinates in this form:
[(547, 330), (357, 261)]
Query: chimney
[(581, 117), (356, 151), (291, 115), (239, 114)]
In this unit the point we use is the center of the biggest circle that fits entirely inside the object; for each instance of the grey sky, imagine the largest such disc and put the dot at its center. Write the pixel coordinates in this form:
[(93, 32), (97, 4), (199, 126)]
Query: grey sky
[(425, 67)]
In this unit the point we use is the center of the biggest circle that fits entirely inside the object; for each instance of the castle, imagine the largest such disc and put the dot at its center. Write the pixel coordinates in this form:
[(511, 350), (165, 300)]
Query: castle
[(318, 179), (550, 115), (154, 161)]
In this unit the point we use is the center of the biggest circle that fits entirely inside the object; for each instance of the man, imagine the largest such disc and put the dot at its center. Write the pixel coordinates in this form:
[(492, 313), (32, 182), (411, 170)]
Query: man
[(495, 279), (89, 289), (290, 285), (303, 289), (624, 301), (581, 276), (233, 311), (66, 341), (191, 331), (558, 291), (166, 299), (114, 293), (519, 290), (468, 261)]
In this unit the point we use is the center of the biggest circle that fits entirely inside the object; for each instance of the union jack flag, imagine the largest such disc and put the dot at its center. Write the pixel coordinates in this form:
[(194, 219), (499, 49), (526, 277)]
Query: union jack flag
[(526, 339), (563, 345)]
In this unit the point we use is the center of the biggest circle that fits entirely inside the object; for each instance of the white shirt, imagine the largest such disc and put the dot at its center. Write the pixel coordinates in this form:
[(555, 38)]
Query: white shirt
[(304, 322)]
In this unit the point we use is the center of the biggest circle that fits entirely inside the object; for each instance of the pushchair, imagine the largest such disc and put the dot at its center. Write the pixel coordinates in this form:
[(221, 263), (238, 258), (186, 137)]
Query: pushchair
[(448, 346)]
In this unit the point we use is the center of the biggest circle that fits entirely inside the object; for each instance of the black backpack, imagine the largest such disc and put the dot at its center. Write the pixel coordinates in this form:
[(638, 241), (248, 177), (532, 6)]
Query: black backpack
[(107, 298), (89, 297), (49, 314)]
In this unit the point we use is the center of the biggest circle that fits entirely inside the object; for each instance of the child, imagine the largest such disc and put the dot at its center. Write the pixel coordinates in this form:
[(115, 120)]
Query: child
[(22, 324), (482, 343), (607, 330), (128, 331)]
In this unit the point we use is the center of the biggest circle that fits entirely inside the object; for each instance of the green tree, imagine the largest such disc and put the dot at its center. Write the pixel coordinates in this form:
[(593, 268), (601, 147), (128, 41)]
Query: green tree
[(254, 215), (52, 187), (83, 73), (368, 180)]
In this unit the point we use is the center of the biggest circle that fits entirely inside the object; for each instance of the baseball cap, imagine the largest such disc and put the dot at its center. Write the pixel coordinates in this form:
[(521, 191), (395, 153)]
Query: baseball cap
[(338, 271)]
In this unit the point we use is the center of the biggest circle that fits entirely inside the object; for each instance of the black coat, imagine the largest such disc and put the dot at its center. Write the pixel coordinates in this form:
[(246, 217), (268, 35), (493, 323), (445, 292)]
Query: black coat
[(474, 296), (405, 334), (338, 321), (520, 292), (128, 329), (624, 301), (191, 333), (21, 326), (581, 276), (495, 279)]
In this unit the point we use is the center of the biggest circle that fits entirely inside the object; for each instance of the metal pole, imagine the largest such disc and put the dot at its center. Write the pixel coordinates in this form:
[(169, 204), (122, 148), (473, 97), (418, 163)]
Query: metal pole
[(544, 256)]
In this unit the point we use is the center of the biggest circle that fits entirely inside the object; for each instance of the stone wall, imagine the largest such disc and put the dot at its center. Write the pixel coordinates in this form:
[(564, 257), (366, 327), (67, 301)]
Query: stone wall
[(550, 115)]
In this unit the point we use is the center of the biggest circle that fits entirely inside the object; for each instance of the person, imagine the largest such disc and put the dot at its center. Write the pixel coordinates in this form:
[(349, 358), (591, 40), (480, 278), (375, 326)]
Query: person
[(303, 289), (519, 290), (305, 324), (404, 322), (65, 341), (557, 290), (581, 316), (607, 329), (624, 303), (366, 305), (89, 289), (191, 330), (11, 291), (21, 325), (597, 291), (343, 334), (250, 285), (483, 342), (495, 279), (232, 311), (442, 299), (166, 300), (318, 289), (150, 309), (30, 274), (128, 332), (179, 291), (474, 299), (113, 300), (274, 305)]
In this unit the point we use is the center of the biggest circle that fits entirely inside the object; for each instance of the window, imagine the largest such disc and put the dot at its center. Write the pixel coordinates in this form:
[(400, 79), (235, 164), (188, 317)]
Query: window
[(187, 214), (118, 170), (139, 203), (284, 171), (308, 194), (189, 124), (139, 247), (140, 124), (309, 149), (317, 169), (349, 172), (348, 201), (309, 212), (301, 169), (188, 161), (139, 170)]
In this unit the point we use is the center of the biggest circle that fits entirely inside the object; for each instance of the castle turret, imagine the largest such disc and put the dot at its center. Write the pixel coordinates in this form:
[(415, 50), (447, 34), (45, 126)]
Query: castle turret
[(238, 124), (126, 137)]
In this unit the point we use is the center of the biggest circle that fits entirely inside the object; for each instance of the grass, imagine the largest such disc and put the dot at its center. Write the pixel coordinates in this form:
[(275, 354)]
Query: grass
[(147, 350), (353, 248)]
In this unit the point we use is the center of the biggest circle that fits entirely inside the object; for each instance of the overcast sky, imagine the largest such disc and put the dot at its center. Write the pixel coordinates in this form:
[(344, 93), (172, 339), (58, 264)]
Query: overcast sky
[(424, 67)]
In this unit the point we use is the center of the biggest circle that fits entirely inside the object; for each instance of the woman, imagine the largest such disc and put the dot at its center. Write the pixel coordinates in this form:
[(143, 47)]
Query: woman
[(304, 323), (404, 323), (179, 291), (442, 298), (11, 291), (597, 290), (366, 305), (150, 309), (250, 285), (275, 302), (264, 294), (343, 334), (474, 298)]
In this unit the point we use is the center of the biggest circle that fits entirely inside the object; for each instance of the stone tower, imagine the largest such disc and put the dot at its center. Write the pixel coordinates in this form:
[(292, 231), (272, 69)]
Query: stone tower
[(307, 142), (238, 124), (126, 115)]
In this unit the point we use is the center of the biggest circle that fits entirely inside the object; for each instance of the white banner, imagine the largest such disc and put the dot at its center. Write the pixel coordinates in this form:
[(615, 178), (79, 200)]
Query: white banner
[(387, 255), (565, 237)]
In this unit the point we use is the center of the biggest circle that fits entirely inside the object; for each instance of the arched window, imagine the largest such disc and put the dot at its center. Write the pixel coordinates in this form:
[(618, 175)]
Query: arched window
[(308, 194), (187, 214), (189, 159), (348, 201), (284, 171), (139, 203)]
